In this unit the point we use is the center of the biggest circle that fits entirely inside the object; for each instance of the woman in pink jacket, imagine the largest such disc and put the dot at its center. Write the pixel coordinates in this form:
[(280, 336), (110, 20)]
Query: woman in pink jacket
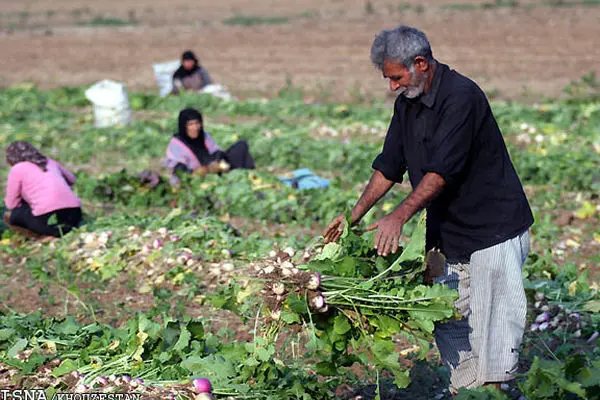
[(192, 150), (38, 189)]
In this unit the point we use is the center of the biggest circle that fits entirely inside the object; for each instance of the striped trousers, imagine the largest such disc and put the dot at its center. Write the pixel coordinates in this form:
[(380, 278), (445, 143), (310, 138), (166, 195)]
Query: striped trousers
[(483, 346)]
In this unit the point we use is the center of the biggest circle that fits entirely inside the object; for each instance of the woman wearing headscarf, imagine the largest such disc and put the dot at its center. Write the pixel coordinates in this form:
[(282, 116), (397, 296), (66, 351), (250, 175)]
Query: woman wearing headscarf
[(192, 150), (38, 194), (190, 75)]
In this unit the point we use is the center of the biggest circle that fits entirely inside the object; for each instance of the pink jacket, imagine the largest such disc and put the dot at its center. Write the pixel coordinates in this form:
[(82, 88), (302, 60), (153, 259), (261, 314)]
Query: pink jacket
[(44, 191), (178, 152)]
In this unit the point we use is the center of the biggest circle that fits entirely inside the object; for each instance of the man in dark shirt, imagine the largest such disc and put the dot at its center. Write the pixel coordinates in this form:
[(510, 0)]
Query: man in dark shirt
[(444, 134)]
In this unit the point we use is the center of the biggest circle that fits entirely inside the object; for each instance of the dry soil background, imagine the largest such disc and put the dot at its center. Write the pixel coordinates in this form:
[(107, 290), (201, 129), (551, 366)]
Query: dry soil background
[(512, 49)]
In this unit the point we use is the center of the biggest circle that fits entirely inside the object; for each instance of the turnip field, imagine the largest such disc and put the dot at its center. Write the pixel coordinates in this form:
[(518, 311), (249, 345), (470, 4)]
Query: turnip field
[(227, 278)]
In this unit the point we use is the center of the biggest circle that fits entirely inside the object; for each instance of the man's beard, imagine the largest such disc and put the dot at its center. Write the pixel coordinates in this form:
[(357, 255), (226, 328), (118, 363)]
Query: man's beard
[(417, 85)]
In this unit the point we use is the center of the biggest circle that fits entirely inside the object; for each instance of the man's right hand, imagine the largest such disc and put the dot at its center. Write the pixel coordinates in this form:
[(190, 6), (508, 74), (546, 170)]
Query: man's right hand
[(335, 229), (378, 186)]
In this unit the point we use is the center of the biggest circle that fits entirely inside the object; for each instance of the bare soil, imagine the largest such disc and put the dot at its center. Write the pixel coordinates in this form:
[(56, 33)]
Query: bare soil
[(517, 52)]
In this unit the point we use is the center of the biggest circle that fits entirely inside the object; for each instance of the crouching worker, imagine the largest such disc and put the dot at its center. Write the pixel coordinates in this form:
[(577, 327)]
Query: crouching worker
[(192, 150), (38, 194), (190, 75)]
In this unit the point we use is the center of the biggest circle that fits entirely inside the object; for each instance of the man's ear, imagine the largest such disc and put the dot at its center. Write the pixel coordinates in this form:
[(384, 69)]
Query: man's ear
[(421, 64)]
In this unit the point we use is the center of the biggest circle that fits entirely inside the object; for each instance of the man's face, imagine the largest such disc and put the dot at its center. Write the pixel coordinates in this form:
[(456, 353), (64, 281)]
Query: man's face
[(410, 82), (188, 64)]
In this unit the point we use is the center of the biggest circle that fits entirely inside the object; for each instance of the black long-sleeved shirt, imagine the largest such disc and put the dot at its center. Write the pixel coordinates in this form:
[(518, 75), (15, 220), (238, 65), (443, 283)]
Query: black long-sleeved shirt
[(450, 130)]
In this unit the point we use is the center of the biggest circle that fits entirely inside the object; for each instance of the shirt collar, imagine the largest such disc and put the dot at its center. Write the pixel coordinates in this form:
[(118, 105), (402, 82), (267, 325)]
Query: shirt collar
[(429, 98)]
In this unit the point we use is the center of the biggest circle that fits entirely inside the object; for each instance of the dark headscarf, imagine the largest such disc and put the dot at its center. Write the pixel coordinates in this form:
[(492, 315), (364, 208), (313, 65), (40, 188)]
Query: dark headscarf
[(196, 145), (21, 151), (182, 72)]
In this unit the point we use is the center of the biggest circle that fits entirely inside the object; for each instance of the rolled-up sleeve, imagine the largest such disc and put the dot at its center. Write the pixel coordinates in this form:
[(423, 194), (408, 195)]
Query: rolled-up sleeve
[(391, 161), (451, 143)]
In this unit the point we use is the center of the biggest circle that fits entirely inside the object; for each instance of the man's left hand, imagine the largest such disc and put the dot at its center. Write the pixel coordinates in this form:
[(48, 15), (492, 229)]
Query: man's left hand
[(387, 238)]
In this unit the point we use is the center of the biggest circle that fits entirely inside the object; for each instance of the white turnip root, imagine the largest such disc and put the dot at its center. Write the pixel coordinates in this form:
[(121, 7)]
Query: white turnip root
[(228, 267), (314, 282), (268, 270), (278, 288), (275, 315), (318, 302)]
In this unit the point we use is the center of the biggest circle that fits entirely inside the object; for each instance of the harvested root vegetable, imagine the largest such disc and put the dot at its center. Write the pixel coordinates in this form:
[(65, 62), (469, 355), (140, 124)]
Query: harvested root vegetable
[(543, 317), (314, 282), (183, 258), (534, 327), (82, 388), (89, 238), (228, 267), (268, 270), (226, 253), (101, 381), (287, 265), (278, 288), (202, 385), (275, 315), (362, 300), (539, 296), (138, 382), (316, 301)]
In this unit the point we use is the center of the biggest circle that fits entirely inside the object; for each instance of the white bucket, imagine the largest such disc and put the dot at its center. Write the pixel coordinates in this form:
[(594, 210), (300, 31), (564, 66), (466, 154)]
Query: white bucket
[(111, 104), (163, 72)]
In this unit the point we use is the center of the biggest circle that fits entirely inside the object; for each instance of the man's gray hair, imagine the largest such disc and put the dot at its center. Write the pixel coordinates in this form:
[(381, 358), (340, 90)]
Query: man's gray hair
[(401, 44)]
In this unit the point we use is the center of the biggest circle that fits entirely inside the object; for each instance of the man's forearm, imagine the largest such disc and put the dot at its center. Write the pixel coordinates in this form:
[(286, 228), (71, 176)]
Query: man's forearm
[(428, 189), (378, 186)]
